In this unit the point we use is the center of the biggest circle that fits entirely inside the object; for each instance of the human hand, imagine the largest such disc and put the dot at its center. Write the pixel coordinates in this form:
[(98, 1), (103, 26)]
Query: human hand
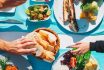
[(20, 46), (81, 48)]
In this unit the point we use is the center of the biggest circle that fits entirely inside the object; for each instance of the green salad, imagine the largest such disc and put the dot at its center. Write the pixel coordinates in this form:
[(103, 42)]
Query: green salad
[(38, 12), (82, 60)]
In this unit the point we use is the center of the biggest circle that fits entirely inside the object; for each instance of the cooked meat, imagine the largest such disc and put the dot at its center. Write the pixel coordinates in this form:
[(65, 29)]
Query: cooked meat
[(10, 3)]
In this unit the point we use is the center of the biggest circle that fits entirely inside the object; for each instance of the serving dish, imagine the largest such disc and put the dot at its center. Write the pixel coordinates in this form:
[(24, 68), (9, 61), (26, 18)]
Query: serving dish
[(58, 65), (47, 43), (38, 12), (83, 24)]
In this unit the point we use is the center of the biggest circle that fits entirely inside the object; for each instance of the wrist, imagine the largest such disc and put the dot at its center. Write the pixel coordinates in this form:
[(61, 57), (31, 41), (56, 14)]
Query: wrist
[(92, 44), (4, 45)]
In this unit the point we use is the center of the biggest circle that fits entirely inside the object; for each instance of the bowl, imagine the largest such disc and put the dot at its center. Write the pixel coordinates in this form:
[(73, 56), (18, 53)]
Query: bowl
[(38, 12), (47, 43)]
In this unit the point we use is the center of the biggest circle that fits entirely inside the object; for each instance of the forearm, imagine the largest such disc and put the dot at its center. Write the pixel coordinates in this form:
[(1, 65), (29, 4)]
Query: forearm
[(97, 46)]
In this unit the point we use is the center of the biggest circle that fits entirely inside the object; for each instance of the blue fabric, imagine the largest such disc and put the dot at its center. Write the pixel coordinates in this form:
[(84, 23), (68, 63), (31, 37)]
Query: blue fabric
[(28, 26)]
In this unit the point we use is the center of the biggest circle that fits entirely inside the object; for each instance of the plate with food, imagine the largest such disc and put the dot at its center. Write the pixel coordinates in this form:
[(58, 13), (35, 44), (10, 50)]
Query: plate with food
[(68, 61), (38, 12), (13, 62), (47, 43), (79, 16)]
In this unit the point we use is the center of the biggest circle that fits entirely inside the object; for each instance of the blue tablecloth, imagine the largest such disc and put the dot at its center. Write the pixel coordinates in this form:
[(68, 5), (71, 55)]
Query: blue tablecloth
[(28, 26)]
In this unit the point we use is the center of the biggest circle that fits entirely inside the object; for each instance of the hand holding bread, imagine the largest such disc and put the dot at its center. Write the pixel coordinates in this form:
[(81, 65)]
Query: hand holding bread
[(47, 45)]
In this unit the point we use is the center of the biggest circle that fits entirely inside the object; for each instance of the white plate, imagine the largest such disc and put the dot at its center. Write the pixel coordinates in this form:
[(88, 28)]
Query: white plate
[(8, 10), (58, 66), (17, 60), (83, 24)]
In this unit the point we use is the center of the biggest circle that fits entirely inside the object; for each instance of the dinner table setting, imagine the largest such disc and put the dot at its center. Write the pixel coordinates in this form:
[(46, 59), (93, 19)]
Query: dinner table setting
[(62, 23)]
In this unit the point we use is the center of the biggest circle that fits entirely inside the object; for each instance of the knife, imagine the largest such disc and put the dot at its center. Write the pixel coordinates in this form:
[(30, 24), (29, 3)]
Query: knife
[(14, 21)]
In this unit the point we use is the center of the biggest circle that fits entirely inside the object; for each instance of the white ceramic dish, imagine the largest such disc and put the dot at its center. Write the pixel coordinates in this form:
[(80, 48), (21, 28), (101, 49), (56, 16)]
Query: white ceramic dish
[(17, 60), (84, 25), (8, 10), (40, 20), (58, 66)]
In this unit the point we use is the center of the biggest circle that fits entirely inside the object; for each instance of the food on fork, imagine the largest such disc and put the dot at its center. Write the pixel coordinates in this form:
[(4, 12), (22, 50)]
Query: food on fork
[(47, 43), (10, 3)]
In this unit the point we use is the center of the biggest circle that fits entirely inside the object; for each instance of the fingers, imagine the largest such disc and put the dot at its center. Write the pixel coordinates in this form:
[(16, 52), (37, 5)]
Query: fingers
[(77, 51), (26, 51), (27, 44)]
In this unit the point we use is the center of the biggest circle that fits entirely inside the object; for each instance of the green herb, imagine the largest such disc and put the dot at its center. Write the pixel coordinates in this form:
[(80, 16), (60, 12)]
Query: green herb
[(3, 63), (82, 59)]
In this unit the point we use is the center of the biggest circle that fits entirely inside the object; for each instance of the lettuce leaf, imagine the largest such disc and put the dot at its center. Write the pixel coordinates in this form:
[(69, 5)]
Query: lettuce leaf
[(82, 59)]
